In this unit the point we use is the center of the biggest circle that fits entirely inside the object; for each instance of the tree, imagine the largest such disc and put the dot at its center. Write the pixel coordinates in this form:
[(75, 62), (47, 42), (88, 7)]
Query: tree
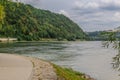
[(114, 41), (2, 14)]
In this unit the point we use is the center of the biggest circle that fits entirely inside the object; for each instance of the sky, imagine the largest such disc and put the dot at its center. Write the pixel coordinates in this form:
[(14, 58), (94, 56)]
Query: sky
[(90, 15)]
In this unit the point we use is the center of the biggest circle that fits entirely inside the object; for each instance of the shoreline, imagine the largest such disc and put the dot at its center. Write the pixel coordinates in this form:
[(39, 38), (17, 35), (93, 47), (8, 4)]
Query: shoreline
[(12, 40), (54, 73), (45, 70), (41, 41)]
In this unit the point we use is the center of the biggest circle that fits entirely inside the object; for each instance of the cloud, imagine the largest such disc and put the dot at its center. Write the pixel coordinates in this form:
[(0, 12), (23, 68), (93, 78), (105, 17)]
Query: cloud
[(97, 14), (80, 5), (64, 13), (110, 5), (115, 2), (101, 5), (117, 16)]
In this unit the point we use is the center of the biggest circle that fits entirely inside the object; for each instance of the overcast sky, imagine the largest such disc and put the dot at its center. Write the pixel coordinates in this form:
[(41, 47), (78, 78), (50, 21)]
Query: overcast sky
[(91, 15)]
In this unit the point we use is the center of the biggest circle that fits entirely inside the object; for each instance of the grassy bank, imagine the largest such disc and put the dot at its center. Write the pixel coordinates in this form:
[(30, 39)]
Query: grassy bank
[(60, 73), (69, 74)]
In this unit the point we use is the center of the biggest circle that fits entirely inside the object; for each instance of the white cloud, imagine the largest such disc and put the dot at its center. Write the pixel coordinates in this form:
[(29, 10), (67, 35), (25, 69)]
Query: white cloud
[(117, 16), (99, 13), (111, 2), (78, 4), (64, 13), (117, 2), (107, 1), (93, 5)]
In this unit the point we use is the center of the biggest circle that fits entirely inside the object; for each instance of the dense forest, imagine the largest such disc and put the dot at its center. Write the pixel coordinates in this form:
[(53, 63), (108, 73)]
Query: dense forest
[(25, 22)]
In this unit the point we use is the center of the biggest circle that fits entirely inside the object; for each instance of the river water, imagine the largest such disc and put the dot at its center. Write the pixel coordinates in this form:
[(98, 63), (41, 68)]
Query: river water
[(87, 57)]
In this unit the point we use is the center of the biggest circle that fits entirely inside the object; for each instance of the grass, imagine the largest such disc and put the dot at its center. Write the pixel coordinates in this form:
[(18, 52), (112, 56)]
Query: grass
[(67, 74)]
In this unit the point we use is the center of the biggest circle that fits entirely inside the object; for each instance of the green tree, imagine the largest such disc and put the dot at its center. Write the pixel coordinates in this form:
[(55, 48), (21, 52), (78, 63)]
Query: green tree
[(2, 14), (114, 41)]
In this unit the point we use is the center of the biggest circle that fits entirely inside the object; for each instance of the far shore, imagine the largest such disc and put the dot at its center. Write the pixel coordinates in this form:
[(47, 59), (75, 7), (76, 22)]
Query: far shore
[(39, 41), (4, 40)]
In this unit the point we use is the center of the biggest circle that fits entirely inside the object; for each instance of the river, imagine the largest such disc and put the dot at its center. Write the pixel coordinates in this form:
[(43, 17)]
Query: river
[(88, 56)]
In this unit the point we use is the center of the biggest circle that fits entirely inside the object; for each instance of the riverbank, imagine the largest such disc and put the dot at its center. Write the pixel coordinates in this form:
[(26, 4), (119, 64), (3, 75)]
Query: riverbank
[(44, 70), (41, 70), (41, 40)]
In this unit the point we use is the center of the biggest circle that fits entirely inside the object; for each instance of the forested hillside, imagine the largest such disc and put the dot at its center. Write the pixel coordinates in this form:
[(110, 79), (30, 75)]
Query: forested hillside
[(96, 35), (28, 23), (104, 35)]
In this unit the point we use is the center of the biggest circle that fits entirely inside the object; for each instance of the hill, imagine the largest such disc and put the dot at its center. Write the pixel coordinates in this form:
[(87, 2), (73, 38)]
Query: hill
[(104, 35), (25, 22), (96, 35)]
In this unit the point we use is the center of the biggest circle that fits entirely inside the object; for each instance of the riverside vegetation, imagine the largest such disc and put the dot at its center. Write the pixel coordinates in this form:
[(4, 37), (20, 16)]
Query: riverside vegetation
[(24, 22), (69, 74)]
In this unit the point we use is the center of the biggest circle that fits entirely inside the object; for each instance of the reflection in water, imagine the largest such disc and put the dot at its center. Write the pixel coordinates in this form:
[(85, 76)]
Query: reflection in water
[(88, 57)]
